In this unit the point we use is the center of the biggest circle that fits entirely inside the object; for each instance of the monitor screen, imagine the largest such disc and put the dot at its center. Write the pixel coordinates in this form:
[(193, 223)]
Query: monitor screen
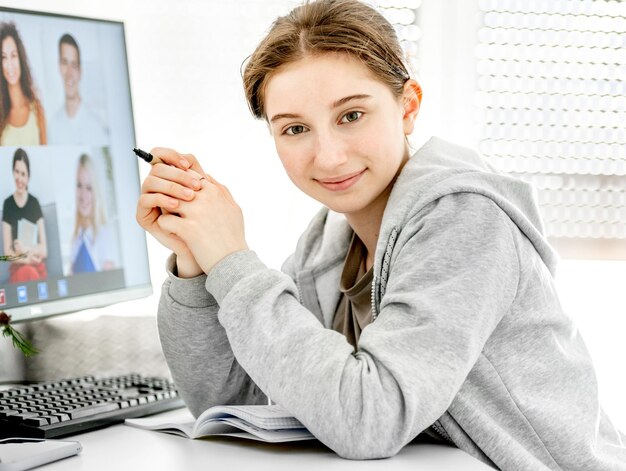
[(69, 181)]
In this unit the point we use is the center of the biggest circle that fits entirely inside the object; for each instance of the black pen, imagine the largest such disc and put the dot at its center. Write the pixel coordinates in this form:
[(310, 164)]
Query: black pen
[(151, 159), (142, 154)]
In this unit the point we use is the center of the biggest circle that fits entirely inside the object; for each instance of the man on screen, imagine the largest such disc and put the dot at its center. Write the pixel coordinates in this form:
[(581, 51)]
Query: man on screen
[(74, 123)]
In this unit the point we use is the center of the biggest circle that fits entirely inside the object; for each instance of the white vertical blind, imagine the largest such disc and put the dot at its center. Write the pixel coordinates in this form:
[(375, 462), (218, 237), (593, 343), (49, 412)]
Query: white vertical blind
[(551, 108), (402, 14)]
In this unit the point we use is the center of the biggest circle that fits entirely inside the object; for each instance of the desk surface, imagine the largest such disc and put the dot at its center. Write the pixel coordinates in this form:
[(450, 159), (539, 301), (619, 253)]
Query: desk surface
[(121, 448)]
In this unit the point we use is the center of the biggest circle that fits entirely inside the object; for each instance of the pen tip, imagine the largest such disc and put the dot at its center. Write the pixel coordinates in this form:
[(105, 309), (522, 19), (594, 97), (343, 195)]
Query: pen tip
[(147, 156)]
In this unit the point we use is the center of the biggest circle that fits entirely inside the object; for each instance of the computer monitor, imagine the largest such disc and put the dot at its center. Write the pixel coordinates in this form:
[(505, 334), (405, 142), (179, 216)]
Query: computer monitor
[(69, 181)]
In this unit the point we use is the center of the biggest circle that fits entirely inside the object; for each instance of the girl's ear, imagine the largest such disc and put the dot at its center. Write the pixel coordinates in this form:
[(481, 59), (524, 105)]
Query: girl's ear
[(411, 100)]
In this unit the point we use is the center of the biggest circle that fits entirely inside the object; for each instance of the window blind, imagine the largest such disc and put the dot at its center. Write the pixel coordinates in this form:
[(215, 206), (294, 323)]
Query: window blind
[(402, 14), (551, 109)]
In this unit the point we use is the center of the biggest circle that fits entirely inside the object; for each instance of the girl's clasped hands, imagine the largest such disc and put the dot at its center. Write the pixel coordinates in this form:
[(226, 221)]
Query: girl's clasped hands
[(189, 212)]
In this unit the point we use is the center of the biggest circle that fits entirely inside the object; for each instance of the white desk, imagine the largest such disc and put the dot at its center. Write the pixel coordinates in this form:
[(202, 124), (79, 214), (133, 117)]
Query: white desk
[(121, 448)]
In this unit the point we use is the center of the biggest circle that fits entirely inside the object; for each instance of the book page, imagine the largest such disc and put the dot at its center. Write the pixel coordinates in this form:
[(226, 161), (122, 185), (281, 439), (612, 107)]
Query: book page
[(268, 417), (215, 421), (178, 422), (233, 426)]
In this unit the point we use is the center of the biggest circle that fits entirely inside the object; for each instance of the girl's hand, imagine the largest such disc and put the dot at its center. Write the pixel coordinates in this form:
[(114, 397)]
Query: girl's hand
[(211, 224), (35, 258), (18, 248), (173, 179)]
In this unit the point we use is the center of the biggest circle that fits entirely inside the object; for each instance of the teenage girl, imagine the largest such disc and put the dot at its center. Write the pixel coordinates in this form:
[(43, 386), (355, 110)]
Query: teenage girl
[(419, 300)]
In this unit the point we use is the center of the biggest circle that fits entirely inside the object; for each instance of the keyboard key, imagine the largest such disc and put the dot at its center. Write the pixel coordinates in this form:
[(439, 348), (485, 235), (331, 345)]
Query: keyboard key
[(21, 416), (62, 417), (52, 419), (91, 410), (36, 421)]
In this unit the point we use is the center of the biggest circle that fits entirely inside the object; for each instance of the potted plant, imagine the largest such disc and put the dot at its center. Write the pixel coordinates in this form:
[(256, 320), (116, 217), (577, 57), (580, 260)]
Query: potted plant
[(19, 341)]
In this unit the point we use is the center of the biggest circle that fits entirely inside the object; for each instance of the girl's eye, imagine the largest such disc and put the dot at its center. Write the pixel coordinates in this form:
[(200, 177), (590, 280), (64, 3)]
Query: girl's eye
[(293, 130), (351, 116)]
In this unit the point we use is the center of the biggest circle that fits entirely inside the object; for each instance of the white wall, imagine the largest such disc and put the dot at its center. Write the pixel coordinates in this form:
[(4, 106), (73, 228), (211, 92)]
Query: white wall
[(185, 61)]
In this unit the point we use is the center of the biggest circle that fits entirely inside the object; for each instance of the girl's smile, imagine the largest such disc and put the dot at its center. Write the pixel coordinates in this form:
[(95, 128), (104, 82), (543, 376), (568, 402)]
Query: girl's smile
[(343, 182)]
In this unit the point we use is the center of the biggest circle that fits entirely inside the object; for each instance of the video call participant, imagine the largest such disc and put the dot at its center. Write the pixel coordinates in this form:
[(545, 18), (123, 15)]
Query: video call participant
[(94, 246), (74, 122), (22, 205), (22, 118), (420, 299)]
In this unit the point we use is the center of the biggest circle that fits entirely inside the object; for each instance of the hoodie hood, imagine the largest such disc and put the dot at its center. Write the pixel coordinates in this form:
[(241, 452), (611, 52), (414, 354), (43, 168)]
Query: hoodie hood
[(441, 168)]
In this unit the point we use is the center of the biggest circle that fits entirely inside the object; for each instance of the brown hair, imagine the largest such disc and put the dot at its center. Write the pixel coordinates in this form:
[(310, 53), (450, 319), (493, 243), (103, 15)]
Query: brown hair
[(70, 41), (9, 30), (20, 155), (323, 26)]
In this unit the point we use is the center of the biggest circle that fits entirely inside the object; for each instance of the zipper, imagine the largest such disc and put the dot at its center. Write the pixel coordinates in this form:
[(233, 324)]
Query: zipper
[(379, 283), (373, 298), (437, 427)]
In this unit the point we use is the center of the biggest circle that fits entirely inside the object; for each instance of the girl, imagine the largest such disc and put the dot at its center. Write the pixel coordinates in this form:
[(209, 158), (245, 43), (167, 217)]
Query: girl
[(419, 299)]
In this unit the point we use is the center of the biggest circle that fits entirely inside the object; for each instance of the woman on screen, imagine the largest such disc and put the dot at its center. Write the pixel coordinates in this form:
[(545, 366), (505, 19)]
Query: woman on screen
[(420, 299), (93, 244), (22, 119), (23, 230)]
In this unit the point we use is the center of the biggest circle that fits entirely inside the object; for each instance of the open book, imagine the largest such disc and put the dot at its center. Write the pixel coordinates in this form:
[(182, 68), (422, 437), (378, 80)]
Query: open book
[(257, 422)]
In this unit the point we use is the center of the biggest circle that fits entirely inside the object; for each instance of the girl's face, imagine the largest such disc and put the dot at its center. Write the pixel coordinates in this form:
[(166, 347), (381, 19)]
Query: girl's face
[(11, 69), (21, 177), (339, 131), (84, 192)]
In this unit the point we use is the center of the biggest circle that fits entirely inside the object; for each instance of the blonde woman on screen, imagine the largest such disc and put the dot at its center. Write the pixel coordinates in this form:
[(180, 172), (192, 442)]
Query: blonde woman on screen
[(22, 119), (93, 244), (420, 301)]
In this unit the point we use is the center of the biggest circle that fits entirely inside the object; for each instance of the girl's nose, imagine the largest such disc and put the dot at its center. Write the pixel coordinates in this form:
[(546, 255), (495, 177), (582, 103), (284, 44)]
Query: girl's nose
[(331, 151)]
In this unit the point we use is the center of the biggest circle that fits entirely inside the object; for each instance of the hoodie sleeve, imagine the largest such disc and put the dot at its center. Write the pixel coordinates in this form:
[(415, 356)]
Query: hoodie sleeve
[(454, 277), (196, 348)]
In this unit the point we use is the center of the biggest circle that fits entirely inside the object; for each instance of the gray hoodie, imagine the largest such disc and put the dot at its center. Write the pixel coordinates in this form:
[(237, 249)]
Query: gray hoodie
[(468, 336)]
